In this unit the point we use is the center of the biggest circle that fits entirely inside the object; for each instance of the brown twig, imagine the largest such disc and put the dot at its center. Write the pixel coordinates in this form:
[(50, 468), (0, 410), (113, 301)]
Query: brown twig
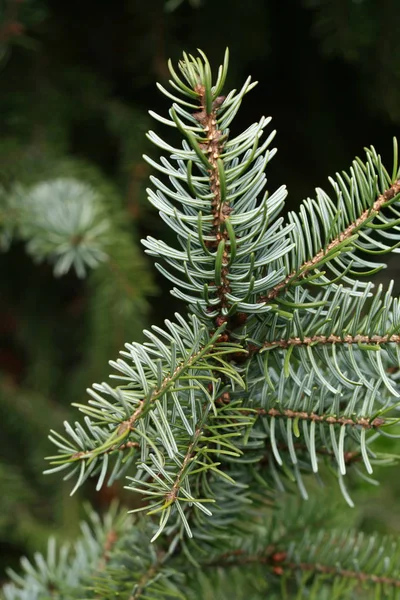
[(333, 339), (362, 422), (174, 491), (221, 210)]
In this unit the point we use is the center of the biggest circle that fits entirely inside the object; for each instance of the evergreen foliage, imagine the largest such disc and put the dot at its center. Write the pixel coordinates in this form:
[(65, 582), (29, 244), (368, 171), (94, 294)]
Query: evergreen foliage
[(67, 222), (287, 360), (72, 222)]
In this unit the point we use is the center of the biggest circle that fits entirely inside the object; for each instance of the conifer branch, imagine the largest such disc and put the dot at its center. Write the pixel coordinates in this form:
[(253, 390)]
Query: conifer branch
[(346, 573), (123, 429), (352, 229), (279, 564), (188, 422)]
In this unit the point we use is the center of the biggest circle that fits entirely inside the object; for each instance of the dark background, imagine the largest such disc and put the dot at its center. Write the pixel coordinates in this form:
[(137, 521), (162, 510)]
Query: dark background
[(76, 82)]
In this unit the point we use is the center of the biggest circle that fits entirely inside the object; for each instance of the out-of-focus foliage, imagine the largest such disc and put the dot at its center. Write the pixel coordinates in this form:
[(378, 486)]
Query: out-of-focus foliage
[(365, 34), (61, 220), (61, 214)]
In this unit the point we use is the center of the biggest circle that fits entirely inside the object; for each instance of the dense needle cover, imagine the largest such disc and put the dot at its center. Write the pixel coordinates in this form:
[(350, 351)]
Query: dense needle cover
[(284, 365)]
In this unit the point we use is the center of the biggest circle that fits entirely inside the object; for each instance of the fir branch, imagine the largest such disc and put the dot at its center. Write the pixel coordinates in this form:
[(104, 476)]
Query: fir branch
[(352, 229), (129, 424), (65, 221), (341, 327), (65, 571), (163, 432), (123, 429), (295, 409), (279, 564), (346, 573), (221, 224)]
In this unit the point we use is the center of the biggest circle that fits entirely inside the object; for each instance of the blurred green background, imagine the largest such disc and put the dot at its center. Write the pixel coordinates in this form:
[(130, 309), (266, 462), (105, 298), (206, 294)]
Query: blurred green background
[(76, 82)]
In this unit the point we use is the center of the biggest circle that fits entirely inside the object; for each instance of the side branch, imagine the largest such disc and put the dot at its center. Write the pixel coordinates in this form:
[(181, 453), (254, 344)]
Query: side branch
[(129, 424), (362, 422), (121, 432), (309, 265), (378, 340), (121, 448), (280, 565)]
